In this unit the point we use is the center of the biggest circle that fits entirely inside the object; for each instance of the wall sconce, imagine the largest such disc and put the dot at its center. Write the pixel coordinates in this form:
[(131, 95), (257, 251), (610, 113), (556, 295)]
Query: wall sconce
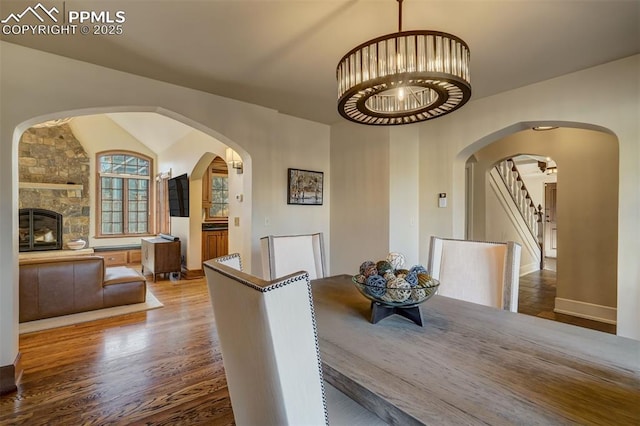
[(234, 160)]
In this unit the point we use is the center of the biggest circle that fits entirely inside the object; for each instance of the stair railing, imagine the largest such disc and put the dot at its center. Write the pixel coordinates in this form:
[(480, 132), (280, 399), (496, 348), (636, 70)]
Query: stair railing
[(531, 214)]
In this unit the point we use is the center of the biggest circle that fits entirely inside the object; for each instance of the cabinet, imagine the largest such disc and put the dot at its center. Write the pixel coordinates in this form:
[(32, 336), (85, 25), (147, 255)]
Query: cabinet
[(160, 256), (214, 244), (119, 257), (114, 258)]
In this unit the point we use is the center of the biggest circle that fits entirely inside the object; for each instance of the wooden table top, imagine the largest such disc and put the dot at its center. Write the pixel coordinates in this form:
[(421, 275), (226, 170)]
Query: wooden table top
[(472, 364)]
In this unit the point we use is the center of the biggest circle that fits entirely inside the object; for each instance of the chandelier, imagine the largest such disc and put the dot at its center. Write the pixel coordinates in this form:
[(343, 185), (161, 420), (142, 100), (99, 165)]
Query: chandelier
[(404, 77)]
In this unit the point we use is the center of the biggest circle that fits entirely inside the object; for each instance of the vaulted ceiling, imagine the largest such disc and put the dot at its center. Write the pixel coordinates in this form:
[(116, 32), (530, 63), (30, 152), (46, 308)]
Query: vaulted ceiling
[(283, 54)]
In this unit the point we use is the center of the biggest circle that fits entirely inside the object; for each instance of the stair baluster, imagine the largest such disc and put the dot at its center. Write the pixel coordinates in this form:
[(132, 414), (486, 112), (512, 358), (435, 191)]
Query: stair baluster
[(520, 195)]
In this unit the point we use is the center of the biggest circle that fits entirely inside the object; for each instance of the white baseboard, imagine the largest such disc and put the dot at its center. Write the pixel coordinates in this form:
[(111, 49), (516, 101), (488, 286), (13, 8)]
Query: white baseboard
[(586, 310), (531, 267)]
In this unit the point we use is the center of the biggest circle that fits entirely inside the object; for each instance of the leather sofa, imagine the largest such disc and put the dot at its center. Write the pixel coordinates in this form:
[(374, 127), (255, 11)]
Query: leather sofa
[(67, 285)]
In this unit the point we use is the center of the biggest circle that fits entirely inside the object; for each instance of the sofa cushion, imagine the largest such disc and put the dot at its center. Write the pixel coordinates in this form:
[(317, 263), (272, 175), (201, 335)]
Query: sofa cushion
[(123, 286), (121, 274)]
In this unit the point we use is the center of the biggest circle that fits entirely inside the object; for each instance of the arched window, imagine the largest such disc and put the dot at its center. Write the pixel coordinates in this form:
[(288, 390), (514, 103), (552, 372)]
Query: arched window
[(123, 192)]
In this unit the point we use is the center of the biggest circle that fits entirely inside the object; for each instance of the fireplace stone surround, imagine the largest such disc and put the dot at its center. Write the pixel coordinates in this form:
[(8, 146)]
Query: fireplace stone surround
[(54, 170)]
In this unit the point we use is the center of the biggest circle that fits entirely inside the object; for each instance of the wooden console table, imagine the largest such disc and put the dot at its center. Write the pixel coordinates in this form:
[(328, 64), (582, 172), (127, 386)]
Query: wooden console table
[(472, 364)]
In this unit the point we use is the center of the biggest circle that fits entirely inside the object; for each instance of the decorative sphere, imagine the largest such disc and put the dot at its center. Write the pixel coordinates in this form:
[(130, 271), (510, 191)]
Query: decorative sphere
[(418, 269), (398, 290), (401, 273), (396, 260), (425, 280), (376, 286), (360, 278), (383, 267), (411, 278), (418, 294), (366, 265)]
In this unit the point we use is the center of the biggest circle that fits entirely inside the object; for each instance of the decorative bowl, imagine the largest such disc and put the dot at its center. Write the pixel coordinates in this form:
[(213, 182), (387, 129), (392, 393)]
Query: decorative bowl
[(396, 292), (76, 244)]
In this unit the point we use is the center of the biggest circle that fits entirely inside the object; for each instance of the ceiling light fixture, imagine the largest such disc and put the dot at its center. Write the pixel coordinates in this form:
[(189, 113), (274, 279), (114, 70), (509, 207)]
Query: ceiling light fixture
[(404, 77)]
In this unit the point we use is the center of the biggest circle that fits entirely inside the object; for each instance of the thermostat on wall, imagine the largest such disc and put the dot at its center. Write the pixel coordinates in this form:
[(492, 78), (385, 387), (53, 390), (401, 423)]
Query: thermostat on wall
[(442, 199)]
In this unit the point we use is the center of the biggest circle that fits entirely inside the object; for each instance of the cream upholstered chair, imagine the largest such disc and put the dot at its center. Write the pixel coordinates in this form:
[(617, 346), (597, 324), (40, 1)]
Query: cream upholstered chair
[(232, 260), (285, 254), (270, 351), (477, 271)]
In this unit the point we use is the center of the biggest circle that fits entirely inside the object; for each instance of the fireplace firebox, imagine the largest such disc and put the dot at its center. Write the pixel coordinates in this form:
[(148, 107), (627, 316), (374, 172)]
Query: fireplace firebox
[(40, 229)]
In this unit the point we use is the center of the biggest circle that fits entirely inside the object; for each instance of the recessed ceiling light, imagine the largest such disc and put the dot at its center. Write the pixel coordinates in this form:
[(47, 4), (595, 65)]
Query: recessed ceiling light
[(543, 128)]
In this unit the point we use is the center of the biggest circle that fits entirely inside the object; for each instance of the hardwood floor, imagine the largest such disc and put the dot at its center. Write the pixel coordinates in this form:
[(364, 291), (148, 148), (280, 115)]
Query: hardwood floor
[(537, 297), (156, 367)]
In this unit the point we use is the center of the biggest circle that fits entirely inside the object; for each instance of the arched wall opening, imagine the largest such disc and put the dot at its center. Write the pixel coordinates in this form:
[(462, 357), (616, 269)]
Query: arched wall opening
[(240, 240), (188, 155), (588, 164)]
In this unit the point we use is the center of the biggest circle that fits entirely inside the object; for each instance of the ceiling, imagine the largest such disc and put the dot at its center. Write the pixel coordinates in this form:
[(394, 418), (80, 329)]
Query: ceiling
[(282, 54)]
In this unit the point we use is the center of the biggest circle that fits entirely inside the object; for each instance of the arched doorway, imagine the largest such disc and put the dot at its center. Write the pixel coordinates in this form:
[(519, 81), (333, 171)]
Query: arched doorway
[(587, 232)]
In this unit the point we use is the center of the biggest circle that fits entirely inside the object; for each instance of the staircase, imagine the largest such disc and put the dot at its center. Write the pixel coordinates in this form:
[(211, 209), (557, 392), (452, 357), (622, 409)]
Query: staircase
[(525, 217), (515, 186)]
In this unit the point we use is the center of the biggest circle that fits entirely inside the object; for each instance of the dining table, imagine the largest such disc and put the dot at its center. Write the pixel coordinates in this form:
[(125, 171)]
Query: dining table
[(473, 364)]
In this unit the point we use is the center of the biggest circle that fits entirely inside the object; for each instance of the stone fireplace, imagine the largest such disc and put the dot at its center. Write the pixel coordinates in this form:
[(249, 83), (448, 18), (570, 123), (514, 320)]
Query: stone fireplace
[(40, 229), (54, 171)]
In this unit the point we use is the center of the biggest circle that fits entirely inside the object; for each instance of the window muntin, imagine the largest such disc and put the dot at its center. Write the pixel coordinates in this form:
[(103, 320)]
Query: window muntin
[(219, 196), (124, 188)]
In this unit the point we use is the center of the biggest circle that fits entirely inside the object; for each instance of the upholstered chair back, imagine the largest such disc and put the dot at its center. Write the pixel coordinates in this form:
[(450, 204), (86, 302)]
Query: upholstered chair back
[(477, 271), (286, 254), (232, 260), (269, 346)]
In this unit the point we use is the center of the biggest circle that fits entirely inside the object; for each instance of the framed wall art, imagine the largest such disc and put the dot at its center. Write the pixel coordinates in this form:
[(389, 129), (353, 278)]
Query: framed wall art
[(304, 187)]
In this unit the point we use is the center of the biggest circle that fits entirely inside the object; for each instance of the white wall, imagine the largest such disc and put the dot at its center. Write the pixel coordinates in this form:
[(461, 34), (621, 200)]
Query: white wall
[(404, 194), (605, 96), (192, 155), (360, 196), (37, 86)]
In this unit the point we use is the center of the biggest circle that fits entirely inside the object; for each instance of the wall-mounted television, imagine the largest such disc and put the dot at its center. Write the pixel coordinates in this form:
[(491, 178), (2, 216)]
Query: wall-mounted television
[(179, 196)]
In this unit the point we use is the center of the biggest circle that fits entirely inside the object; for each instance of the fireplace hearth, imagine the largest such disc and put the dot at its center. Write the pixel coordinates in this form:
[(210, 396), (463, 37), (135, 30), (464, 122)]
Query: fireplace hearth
[(39, 229)]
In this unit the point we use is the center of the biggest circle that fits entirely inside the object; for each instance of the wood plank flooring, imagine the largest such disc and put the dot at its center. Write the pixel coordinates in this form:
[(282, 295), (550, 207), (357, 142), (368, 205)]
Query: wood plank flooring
[(536, 296), (155, 367)]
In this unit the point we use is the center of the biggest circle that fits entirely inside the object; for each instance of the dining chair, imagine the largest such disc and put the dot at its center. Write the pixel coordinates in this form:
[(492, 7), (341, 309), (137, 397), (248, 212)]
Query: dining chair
[(477, 271), (285, 254), (232, 260), (270, 352)]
